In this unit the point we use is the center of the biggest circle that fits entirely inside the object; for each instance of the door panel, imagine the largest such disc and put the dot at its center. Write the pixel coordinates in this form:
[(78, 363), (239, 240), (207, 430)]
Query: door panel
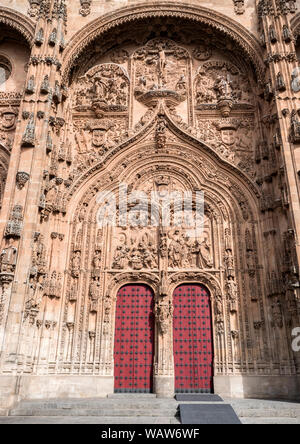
[(193, 340), (134, 340)]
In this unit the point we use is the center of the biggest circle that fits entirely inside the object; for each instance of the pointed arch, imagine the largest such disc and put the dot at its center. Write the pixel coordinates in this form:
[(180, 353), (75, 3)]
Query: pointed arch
[(163, 9), (19, 22)]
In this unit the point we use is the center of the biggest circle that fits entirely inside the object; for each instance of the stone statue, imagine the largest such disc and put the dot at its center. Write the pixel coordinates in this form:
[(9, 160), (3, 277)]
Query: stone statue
[(175, 251), (205, 253), (161, 66), (121, 257), (96, 263), (223, 87), (94, 294), (76, 263), (232, 293), (9, 257)]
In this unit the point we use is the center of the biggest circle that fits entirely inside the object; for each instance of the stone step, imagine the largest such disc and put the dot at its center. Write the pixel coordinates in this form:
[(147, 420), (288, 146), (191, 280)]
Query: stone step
[(261, 404), (169, 413), (96, 405), (267, 413), (274, 421), (132, 396), (88, 420)]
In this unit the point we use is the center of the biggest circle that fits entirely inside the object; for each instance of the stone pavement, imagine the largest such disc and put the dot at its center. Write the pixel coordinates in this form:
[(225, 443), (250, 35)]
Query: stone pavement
[(141, 409)]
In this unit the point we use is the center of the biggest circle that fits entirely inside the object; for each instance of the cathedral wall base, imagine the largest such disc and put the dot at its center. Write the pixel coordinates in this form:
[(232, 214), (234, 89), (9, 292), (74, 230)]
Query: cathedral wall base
[(14, 389), (261, 387), (17, 388), (164, 386), (8, 397)]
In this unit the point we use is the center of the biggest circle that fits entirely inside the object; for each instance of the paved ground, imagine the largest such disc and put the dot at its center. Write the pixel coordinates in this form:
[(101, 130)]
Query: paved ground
[(144, 409)]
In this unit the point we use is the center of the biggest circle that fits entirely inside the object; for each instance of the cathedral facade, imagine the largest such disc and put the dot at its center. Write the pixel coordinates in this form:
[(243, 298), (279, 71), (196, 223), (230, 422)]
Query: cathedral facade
[(105, 101)]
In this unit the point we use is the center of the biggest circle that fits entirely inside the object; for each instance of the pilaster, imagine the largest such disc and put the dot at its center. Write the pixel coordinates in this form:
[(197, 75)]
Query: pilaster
[(38, 111)]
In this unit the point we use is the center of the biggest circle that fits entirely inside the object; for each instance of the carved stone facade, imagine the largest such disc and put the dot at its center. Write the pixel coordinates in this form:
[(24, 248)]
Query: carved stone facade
[(163, 98)]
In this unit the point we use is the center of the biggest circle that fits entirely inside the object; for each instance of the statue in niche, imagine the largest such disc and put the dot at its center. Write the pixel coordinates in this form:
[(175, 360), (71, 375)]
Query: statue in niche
[(223, 86), (161, 64), (181, 84), (295, 127), (76, 263), (232, 292), (94, 294), (205, 254), (9, 257), (277, 314), (164, 312), (175, 251), (163, 246), (36, 287), (185, 253), (229, 263), (96, 263)]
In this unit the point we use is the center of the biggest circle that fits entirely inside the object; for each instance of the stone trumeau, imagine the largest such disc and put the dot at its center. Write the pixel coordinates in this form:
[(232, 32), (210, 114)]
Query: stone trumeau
[(101, 97)]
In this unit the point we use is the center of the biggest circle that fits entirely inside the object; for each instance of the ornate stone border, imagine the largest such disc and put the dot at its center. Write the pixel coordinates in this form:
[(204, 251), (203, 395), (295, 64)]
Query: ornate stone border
[(216, 20), (118, 281), (18, 21), (199, 277), (295, 25)]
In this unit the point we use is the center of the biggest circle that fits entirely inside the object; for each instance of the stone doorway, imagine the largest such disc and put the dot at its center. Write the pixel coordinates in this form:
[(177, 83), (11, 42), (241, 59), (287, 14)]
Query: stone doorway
[(134, 339), (193, 339)]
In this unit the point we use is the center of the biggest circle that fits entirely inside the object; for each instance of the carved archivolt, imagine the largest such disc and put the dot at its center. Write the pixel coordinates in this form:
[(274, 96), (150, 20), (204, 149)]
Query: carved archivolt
[(161, 9), (295, 25), (18, 22), (122, 279), (114, 152)]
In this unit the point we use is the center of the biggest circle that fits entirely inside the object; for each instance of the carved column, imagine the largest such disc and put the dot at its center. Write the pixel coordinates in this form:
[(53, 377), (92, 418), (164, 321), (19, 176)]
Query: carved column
[(276, 36), (164, 378), (21, 203)]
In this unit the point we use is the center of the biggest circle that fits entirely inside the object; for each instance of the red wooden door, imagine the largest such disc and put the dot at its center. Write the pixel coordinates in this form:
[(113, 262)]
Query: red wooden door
[(193, 340), (134, 340)]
